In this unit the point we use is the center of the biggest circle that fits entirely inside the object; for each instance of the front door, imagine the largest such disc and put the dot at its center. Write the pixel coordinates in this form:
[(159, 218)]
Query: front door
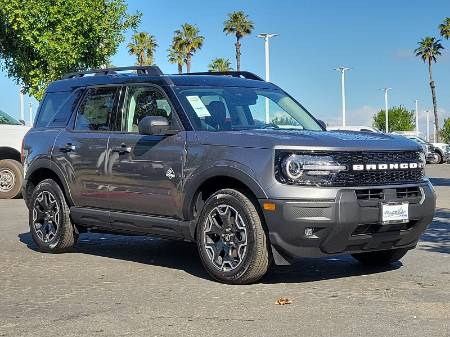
[(82, 152), (145, 171)]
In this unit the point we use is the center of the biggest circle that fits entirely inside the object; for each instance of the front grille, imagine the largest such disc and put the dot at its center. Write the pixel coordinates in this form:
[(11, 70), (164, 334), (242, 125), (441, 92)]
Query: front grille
[(408, 192), (370, 194), (377, 177)]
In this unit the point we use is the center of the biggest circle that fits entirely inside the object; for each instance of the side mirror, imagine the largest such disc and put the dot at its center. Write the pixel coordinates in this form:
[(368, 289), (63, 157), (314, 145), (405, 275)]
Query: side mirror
[(153, 125), (322, 124), (21, 121)]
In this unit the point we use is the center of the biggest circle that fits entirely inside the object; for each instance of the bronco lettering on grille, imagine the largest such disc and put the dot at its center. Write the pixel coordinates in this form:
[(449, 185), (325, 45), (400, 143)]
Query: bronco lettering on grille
[(385, 166)]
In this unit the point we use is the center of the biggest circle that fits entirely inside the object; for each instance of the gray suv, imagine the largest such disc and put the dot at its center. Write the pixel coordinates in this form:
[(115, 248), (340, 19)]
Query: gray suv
[(225, 160)]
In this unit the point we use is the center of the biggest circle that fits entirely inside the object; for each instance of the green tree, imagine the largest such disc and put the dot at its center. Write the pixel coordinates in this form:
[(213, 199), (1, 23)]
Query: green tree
[(220, 64), (400, 119), (240, 25), (445, 132), (41, 40), (445, 28), (177, 54), (142, 45), (429, 49), (189, 41)]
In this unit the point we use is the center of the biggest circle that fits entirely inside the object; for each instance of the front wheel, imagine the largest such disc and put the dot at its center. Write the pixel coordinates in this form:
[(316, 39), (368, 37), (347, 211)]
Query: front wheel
[(11, 178), (231, 240), (49, 218), (380, 258)]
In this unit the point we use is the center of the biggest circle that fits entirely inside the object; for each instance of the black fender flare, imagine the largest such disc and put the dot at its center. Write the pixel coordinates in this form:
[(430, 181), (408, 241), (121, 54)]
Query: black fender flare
[(229, 169)]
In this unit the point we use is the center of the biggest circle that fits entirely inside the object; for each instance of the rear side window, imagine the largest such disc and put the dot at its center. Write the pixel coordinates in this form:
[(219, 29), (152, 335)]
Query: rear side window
[(64, 112), (50, 105), (96, 108)]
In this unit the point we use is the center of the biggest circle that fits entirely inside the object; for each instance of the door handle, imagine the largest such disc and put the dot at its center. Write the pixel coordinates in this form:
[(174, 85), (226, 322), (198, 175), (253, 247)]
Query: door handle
[(122, 149), (68, 148)]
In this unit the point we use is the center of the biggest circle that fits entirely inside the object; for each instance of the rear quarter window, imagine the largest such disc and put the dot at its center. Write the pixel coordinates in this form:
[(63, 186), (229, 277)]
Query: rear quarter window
[(50, 105)]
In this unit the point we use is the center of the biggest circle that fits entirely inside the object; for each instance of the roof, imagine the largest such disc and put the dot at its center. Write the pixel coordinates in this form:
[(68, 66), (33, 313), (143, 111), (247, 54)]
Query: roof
[(217, 80)]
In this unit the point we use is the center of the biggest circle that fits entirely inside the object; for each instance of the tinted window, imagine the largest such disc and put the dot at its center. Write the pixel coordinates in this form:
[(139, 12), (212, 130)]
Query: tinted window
[(63, 114), (94, 112), (7, 119), (142, 102), (50, 105)]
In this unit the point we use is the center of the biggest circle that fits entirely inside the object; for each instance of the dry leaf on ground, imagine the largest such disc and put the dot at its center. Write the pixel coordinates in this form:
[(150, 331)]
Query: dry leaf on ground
[(283, 301)]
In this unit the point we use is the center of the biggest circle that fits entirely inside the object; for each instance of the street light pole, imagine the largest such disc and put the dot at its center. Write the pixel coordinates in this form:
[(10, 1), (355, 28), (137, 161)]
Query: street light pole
[(343, 70), (31, 114), (22, 110), (386, 107), (428, 125), (266, 37), (417, 118)]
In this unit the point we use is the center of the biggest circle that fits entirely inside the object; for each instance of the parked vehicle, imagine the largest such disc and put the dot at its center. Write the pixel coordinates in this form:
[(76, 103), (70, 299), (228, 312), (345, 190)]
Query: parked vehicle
[(361, 128), (442, 152), (11, 173), (432, 154), (225, 160)]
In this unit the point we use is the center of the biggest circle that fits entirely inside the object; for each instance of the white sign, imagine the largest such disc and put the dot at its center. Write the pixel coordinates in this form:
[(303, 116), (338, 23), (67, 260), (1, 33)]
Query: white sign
[(395, 213), (198, 106)]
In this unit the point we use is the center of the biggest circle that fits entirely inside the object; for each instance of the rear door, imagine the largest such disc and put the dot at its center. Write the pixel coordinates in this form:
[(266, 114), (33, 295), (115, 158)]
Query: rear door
[(82, 150), (146, 171)]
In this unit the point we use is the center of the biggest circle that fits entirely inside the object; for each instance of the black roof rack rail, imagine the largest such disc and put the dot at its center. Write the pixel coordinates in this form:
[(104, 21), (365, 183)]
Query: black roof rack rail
[(245, 74), (141, 70)]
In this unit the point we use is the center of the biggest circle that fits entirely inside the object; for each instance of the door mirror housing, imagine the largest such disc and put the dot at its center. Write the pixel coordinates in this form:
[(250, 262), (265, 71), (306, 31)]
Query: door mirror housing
[(154, 125)]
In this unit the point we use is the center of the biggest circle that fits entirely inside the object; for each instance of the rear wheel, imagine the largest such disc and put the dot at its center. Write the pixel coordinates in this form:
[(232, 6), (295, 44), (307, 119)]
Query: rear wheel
[(49, 218), (11, 179), (380, 258), (231, 240), (437, 158)]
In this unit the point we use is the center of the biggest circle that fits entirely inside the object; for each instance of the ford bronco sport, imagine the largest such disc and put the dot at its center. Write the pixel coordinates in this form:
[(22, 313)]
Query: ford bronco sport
[(225, 160)]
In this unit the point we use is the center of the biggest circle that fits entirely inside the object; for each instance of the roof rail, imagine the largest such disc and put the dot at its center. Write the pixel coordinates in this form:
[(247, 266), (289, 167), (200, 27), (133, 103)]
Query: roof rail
[(245, 74), (140, 70)]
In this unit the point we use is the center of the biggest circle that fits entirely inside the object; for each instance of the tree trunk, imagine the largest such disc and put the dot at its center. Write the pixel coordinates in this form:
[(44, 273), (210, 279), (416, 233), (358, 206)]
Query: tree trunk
[(433, 95), (188, 64), (141, 57), (238, 54), (180, 68)]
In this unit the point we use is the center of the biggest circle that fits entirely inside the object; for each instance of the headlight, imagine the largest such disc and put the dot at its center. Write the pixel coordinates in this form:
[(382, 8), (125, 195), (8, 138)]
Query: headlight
[(308, 169)]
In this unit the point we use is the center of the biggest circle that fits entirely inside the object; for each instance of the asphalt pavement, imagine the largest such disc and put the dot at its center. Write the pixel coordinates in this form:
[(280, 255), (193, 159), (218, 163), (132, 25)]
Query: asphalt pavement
[(139, 286)]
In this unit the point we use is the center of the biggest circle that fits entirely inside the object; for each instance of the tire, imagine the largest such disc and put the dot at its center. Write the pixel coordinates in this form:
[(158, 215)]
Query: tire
[(49, 218), (380, 258), (11, 179), (438, 158), (240, 255)]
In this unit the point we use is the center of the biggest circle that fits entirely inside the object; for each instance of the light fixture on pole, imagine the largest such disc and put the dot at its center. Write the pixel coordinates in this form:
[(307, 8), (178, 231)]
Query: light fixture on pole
[(386, 107), (266, 37), (343, 70), (417, 118)]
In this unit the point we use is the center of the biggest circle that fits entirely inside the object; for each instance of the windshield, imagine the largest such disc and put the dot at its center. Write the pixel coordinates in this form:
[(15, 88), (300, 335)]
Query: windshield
[(239, 108), (7, 119)]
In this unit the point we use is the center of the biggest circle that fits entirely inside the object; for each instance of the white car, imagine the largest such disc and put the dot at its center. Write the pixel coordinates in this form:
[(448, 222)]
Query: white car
[(353, 128), (442, 151), (11, 172)]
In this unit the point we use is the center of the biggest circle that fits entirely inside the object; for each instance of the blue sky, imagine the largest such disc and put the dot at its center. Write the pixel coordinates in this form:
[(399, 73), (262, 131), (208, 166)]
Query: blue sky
[(375, 38)]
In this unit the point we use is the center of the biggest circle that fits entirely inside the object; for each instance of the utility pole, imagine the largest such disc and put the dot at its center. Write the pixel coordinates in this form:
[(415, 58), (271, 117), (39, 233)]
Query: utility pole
[(417, 118), (386, 106), (342, 70), (266, 37)]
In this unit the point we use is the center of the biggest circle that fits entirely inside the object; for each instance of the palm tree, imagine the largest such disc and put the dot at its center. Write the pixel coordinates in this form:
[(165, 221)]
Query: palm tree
[(429, 48), (176, 55), (220, 64), (445, 28), (238, 24), (142, 45), (189, 41)]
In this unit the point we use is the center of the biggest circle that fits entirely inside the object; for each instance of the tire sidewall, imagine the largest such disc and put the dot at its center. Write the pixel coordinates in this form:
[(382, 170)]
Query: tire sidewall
[(237, 201), (53, 188), (16, 168)]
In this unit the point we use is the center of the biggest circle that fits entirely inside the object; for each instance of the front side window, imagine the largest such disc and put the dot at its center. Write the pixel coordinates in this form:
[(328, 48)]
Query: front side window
[(142, 101), (50, 105), (239, 108), (96, 109)]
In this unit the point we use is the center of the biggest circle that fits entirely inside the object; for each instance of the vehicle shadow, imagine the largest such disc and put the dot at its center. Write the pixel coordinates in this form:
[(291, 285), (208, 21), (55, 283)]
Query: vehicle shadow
[(184, 256), (440, 181), (437, 237)]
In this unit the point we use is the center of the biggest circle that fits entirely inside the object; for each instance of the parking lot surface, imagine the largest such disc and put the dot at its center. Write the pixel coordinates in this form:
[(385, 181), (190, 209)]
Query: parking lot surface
[(139, 286)]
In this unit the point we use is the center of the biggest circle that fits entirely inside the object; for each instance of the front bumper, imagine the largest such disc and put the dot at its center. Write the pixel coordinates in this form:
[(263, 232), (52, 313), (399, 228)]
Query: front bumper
[(349, 223)]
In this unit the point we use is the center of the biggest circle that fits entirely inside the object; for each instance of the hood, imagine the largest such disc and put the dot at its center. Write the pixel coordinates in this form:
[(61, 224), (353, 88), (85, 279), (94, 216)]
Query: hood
[(313, 140)]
